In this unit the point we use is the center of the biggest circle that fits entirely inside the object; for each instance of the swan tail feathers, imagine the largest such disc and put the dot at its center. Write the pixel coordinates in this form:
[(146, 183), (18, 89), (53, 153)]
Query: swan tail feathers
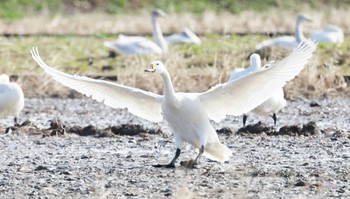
[(217, 151)]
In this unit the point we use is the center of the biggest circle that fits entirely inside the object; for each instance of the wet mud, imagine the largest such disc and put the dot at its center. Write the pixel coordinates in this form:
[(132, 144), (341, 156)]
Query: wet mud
[(79, 148)]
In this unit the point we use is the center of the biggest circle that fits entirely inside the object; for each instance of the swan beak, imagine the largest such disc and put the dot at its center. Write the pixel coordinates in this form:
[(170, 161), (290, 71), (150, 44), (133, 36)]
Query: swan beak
[(151, 68)]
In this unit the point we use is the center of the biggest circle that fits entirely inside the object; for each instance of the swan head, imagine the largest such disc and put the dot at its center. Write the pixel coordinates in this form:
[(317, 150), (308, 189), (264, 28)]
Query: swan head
[(156, 67), (158, 13), (255, 61), (4, 78), (303, 17)]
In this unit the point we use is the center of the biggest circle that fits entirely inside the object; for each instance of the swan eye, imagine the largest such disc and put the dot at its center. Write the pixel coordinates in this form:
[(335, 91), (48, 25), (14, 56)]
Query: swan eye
[(157, 64)]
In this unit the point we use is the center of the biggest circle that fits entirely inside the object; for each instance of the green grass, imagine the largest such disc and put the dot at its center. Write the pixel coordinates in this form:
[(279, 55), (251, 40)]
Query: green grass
[(16, 9), (71, 53), (193, 68)]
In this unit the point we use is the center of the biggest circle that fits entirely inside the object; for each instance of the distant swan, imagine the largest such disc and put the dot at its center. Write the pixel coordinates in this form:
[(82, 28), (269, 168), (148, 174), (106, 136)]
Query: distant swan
[(288, 42), (11, 98), (135, 45), (273, 104), (329, 34), (189, 114), (186, 36)]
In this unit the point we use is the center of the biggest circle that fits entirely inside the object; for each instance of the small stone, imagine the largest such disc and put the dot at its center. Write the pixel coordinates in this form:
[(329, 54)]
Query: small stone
[(84, 157), (346, 156), (40, 168), (300, 183), (314, 104)]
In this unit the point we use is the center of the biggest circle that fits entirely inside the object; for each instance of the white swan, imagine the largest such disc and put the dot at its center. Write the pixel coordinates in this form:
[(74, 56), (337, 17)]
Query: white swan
[(329, 34), (188, 114), (255, 65), (186, 36), (135, 45), (11, 98), (273, 104), (288, 42)]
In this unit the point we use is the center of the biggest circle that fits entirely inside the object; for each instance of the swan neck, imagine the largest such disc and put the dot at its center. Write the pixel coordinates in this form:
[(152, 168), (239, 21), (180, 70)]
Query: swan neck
[(169, 91), (299, 35), (257, 66), (158, 35), (254, 66)]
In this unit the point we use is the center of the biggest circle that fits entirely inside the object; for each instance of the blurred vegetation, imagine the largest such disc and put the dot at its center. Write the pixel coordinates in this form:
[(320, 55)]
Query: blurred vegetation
[(193, 68), (16, 9)]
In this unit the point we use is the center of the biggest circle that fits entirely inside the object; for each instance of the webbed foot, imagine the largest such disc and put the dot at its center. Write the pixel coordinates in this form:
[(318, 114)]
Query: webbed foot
[(170, 166), (189, 164)]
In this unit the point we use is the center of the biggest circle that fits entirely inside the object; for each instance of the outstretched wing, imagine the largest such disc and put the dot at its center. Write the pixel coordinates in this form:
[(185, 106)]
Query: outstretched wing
[(244, 94), (139, 102)]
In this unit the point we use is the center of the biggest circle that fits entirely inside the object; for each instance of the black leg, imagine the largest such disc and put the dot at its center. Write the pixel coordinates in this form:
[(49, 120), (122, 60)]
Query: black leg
[(244, 119), (15, 120), (191, 163), (201, 151), (274, 117), (172, 163)]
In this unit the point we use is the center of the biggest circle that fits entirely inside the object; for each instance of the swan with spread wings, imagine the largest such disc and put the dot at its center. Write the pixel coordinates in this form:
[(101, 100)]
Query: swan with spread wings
[(189, 114)]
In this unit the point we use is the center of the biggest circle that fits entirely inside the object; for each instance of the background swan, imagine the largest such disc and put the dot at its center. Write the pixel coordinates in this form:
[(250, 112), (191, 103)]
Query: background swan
[(135, 45), (288, 42), (11, 98), (189, 114), (273, 104), (329, 34), (186, 36)]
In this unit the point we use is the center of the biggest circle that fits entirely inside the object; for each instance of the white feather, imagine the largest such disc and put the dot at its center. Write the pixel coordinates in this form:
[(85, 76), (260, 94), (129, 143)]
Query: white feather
[(135, 45), (11, 97), (244, 94), (186, 36), (330, 34), (275, 102), (141, 103)]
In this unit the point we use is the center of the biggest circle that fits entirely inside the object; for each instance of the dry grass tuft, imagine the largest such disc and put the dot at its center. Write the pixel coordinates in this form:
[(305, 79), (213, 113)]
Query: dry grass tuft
[(317, 80), (313, 81)]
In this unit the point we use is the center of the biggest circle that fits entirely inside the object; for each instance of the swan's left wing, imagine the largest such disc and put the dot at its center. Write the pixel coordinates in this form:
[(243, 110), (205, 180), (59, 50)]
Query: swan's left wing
[(244, 94), (139, 102)]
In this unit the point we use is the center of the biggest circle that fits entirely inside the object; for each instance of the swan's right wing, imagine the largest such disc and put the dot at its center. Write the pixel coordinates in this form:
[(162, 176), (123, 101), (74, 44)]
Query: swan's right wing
[(139, 102)]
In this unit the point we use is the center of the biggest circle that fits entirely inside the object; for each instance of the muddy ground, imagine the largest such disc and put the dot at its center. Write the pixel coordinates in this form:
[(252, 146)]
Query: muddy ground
[(78, 148)]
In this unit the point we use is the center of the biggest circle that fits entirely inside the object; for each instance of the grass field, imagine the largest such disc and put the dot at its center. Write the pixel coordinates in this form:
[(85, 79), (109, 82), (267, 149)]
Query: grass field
[(17, 9), (193, 68), (73, 42)]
